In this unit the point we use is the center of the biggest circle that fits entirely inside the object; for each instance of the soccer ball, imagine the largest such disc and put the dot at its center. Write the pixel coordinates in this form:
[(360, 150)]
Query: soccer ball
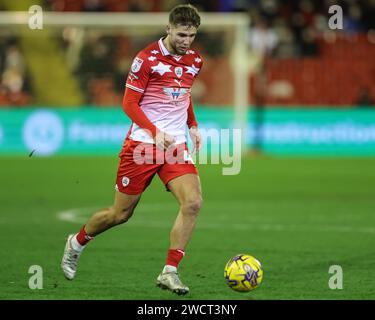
[(243, 273)]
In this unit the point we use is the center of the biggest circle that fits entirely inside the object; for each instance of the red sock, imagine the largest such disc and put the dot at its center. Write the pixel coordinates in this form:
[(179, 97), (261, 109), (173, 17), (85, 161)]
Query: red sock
[(174, 257), (83, 237)]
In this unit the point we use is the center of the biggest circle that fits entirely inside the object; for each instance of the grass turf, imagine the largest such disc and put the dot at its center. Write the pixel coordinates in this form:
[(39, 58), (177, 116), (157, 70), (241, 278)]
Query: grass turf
[(298, 216)]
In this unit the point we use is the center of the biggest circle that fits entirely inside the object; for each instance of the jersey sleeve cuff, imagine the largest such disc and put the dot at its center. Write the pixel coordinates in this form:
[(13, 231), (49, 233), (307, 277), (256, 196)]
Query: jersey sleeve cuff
[(134, 88)]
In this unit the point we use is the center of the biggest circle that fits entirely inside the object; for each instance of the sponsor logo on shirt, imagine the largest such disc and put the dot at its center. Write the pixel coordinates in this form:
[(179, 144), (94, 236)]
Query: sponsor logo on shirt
[(175, 93)]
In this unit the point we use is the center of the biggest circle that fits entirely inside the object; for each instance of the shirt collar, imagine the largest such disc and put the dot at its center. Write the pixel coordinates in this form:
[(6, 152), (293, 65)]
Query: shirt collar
[(164, 50), (162, 47)]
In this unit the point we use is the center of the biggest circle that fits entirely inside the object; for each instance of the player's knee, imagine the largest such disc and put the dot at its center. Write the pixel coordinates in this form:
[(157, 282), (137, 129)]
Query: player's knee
[(192, 205), (122, 215)]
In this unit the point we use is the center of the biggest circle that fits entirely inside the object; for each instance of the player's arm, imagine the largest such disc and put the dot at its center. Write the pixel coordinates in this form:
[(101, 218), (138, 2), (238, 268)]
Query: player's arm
[(193, 127), (130, 105), (191, 120), (136, 84)]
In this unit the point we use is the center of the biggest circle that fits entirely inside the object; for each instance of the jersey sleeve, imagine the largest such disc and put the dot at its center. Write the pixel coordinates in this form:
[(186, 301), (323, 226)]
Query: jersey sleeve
[(131, 107), (139, 73), (191, 120), (199, 61)]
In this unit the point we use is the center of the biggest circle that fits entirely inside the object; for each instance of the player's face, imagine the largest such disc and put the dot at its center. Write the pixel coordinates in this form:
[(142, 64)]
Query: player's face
[(181, 37)]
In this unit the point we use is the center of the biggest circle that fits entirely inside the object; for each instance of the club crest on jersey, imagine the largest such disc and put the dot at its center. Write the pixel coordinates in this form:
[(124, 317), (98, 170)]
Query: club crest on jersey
[(175, 93), (137, 64), (178, 71), (125, 181)]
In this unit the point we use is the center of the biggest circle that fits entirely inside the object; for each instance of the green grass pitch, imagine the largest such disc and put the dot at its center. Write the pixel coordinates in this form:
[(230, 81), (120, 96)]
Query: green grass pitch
[(298, 216)]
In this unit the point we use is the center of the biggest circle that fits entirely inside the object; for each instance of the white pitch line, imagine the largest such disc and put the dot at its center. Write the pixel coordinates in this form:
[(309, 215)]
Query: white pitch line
[(76, 215)]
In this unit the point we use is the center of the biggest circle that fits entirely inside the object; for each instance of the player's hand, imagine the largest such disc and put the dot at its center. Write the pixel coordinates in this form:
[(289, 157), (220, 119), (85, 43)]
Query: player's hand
[(163, 140), (196, 138)]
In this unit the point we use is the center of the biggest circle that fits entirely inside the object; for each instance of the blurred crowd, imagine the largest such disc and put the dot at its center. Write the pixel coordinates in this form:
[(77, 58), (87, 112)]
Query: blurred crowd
[(295, 15), (279, 29), (292, 27), (284, 28), (14, 84)]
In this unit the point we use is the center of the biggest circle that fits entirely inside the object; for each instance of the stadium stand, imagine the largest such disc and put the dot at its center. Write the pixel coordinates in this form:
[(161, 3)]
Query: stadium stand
[(293, 53)]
